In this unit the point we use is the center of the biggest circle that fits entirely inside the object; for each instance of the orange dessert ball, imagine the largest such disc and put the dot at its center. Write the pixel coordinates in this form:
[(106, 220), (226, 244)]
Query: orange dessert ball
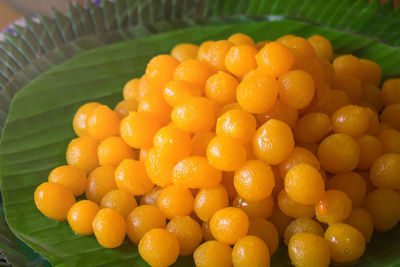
[(385, 171), (113, 150), (210, 200), (160, 69), (131, 176), (225, 153), (173, 141), (227, 182), (158, 247), (261, 44), (339, 153), (200, 141), (280, 111), (241, 59), (390, 140), (174, 91), (360, 219), (390, 116), (334, 207), (236, 124), (250, 251), (193, 71), (350, 183), (372, 72), (304, 184), (125, 106), (188, 232), (142, 219), (373, 127), (329, 71), (296, 88), (195, 172), (336, 100), (100, 181), (221, 87), (370, 149), (265, 230), (309, 250), (346, 243), (254, 180), (372, 95), (213, 254), (241, 39), (175, 201), (383, 205), (144, 87), (312, 127), (228, 225), (351, 120), (194, 114), (302, 225), (207, 235), (159, 166), (54, 200), (257, 93), (301, 49), (275, 59), (81, 216), (293, 209), (119, 200), (298, 155), (273, 142), (81, 118), (71, 177), (184, 51), (138, 129), (390, 91), (348, 84), (213, 54), (82, 153), (109, 227), (154, 103), (151, 198), (323, 48), (349, 65), (130, 90), (280, 220), (255, 209), (103, 122)]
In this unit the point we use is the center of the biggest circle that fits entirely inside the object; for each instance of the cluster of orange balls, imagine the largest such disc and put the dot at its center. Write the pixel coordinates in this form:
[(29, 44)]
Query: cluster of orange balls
[(240, 145)]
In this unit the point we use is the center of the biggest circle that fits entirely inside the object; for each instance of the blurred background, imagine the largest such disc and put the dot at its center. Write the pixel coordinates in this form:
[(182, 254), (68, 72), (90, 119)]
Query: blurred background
[(11, 10)]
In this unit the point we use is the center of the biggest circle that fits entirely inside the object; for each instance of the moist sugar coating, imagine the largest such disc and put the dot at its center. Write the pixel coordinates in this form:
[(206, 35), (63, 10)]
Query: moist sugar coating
[(255, 209), (346, 243), (119, 200), (265, 230), (81, 216), (237, 143), (250, 250), (308, 249), (109, 228), (100, 181), (302, 225), (142, 219), (71, 177)]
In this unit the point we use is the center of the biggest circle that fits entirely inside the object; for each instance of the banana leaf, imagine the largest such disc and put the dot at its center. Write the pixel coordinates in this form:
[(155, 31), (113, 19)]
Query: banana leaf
[(38, 125), (39, 128)]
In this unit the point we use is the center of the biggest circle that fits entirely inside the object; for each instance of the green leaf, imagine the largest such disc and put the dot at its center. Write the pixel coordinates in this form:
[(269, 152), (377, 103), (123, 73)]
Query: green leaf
[(39, 128)]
